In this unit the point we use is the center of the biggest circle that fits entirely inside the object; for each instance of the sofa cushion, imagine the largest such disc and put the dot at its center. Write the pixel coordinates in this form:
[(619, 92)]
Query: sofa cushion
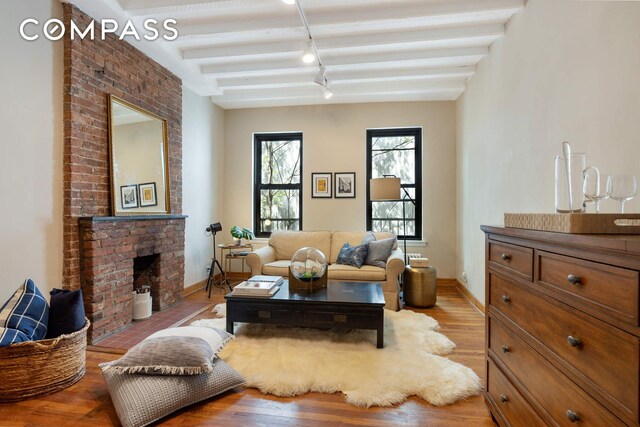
[(348, 272), (379, 251), (286, 242), (339, 238), (277, 268), (352, 255)]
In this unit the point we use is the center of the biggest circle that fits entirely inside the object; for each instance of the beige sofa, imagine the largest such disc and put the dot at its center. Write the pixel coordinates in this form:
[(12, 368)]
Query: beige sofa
[(275, 258)]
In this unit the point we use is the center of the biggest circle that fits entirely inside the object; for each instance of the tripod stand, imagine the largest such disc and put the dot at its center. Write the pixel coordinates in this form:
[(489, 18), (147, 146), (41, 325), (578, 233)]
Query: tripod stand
[(211, 281)]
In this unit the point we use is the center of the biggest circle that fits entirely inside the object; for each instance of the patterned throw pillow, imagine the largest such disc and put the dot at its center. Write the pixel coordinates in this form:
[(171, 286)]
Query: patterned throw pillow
[(352, 255), (10, 336), (26, 311), (142, 399)]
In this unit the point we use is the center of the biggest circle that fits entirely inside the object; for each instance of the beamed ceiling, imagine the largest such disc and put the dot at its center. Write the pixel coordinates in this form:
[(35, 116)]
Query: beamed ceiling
[(248, 53)]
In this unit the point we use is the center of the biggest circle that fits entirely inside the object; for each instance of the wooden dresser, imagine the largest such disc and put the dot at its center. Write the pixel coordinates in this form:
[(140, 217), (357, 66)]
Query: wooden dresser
[(562, 332)]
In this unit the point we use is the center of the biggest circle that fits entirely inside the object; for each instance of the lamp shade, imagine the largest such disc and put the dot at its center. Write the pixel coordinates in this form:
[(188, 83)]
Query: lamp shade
[(384, 189)]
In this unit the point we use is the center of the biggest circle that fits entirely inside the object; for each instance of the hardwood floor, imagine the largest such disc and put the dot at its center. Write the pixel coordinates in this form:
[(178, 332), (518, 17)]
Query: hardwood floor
[(88, 402)]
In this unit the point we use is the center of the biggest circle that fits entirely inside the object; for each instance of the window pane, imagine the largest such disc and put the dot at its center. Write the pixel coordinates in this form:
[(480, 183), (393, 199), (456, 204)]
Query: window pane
[(279, 210), (398, 163), (393, 142), (280, 162)]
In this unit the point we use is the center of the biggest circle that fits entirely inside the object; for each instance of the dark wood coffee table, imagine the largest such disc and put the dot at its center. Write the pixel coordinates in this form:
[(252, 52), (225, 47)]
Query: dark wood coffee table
[(352, 305)]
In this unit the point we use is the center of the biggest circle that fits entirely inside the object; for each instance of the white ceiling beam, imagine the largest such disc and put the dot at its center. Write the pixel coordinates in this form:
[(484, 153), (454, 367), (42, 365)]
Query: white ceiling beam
[(437, 95), (336, 21), (418, 57), (390, 40), (337, 77), (343, 89)]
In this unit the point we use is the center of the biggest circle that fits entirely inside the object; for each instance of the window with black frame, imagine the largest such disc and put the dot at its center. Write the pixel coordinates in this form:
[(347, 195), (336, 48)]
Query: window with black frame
[(396, 152), (277, 182)]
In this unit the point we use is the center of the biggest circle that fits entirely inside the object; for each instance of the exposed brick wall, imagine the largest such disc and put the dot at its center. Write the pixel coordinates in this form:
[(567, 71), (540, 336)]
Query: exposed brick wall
[(93, 69), (108, 248)]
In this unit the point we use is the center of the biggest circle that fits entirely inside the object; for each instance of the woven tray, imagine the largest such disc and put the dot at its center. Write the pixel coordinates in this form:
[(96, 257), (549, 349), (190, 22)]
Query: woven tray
[(576, 223), (36, 368)]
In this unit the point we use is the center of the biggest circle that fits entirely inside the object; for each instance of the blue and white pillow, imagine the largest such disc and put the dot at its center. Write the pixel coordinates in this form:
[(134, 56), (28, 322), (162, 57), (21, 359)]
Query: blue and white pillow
[(11, 336), (26, 311), (352, 255)]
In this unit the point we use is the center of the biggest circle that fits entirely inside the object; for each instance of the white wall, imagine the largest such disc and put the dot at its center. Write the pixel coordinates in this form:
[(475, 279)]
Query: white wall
[(31, 84), (334, 140), (202, 179), (564, 71)]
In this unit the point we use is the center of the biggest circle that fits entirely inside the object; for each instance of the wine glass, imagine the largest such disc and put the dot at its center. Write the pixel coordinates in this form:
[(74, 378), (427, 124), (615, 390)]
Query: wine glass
[(593, 188), (622, 188)]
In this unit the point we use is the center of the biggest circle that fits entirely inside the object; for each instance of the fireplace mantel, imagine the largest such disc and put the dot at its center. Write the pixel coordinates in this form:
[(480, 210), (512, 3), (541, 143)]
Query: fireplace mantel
[(131, 218)]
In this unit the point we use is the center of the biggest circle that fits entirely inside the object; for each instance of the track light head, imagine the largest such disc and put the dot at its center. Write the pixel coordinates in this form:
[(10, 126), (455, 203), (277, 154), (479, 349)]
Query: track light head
[(308, 56), (326, 92)]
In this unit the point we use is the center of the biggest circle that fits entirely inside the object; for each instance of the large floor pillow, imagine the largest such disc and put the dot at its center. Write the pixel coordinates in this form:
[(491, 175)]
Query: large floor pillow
[(142, 399)]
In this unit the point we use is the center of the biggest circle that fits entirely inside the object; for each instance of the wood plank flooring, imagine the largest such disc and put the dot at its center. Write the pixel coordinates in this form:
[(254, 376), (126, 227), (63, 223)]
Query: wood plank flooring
[(87, 403)]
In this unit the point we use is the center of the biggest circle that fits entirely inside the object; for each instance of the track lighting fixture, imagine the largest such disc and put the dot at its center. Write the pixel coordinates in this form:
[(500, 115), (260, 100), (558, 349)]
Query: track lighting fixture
[(321, 77), (308, 57)]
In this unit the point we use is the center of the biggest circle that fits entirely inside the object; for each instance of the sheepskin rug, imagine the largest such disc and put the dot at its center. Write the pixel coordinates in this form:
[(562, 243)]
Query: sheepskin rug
[(287, 361)]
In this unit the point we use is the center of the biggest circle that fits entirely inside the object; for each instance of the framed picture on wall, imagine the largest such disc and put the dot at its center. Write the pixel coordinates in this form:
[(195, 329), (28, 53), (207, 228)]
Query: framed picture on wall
[(344, 184), (321, 185), (148, 196), (129, 194)]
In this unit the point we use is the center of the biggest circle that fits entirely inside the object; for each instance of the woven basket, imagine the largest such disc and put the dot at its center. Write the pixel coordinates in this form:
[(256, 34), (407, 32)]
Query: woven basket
[(36, 368)]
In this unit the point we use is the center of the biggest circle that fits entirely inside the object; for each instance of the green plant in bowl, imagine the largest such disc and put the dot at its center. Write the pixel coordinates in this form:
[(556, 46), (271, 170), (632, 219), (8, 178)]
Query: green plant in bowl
[(239, 233)]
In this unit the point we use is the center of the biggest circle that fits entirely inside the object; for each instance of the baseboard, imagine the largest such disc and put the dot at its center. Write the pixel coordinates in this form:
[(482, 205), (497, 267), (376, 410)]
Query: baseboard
[(469, 296), (195, 287), (446, 283)]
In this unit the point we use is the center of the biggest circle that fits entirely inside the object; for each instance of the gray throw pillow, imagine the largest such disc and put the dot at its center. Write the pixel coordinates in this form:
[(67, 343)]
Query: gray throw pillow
[(352, 255), (379, 251), (368, 237), (167, 356), (140, 400)]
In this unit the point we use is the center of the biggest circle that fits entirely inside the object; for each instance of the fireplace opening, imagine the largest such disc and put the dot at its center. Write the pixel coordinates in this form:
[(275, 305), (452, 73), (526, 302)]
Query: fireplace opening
[(146, 272)]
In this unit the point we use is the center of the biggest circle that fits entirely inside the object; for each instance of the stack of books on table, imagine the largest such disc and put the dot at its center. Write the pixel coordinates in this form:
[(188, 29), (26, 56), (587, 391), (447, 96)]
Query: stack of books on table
[(259, 286)]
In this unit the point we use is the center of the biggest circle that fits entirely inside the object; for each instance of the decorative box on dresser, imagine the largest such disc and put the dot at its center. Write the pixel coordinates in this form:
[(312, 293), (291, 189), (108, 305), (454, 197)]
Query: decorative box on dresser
[(562, 331)]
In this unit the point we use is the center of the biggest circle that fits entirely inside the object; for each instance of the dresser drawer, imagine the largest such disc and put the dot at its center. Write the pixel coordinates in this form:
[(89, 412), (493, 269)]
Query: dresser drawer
[(603, 354), (509, 401), (598, 289), (513, 259), (560, 397)]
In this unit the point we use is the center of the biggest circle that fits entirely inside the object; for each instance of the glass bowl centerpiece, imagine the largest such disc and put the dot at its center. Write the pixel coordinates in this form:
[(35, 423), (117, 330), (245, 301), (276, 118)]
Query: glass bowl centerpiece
[(308, 270)]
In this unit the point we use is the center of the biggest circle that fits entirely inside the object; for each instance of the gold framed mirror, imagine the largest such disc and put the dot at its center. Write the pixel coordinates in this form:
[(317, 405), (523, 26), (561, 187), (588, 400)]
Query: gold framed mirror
[(139, 158)]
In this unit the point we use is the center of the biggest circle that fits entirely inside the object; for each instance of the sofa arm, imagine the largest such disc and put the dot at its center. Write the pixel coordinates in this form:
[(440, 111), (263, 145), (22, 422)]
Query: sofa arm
[(395, 264), (259, 257)]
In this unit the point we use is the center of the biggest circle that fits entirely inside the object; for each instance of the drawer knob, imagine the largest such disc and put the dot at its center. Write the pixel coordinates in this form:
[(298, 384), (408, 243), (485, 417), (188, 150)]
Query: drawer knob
[(574, 342), (506, 298), (573, 279), (573, 417), (505, 349), (503, 398), (505, 257)]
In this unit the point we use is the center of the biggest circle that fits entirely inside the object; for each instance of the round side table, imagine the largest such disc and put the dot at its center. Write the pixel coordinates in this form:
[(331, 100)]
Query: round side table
[(420, 286)]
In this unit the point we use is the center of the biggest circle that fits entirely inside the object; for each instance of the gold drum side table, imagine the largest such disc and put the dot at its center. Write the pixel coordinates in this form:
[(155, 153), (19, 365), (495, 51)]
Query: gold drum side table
[(420, 286)]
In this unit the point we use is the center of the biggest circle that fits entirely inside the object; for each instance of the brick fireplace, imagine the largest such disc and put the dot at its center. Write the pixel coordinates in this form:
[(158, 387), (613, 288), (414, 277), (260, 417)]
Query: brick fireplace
[(110, 249), (99, 251)]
